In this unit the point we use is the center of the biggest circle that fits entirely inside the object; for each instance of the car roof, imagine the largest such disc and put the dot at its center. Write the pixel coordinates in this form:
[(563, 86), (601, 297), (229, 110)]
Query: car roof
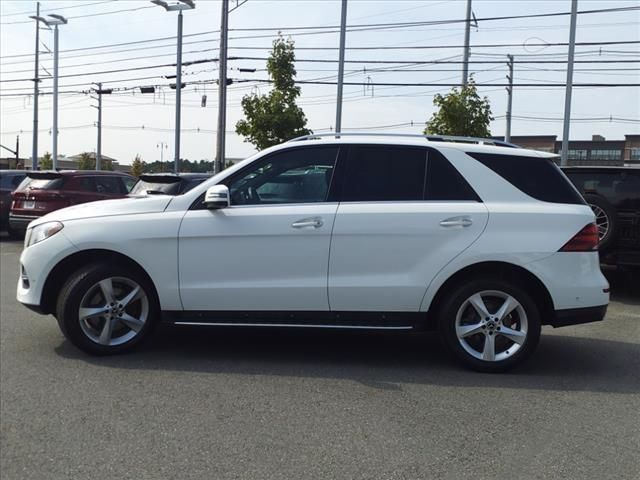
[(180, 174), (417, 141), (68, 173)]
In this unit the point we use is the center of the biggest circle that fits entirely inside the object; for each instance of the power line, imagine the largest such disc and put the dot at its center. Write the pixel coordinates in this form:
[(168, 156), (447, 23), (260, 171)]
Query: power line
[(349, 28), (87, 15), (31, 12)]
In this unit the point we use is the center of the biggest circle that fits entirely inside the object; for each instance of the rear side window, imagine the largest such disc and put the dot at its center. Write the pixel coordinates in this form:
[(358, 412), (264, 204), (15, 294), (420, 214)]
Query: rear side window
[(538, 177), (109, 185), (384, 173), (444, 182)]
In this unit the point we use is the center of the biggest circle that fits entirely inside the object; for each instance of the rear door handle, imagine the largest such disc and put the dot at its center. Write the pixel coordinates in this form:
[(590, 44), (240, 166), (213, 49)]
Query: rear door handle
[(313, 222), (456, 222)]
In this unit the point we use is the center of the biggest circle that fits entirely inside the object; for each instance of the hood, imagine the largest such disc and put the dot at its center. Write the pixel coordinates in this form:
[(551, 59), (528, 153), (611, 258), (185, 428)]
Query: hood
[(106, 208)]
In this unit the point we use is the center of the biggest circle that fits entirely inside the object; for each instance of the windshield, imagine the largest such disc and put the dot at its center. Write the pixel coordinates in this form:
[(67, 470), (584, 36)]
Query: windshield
[(142, 187), (41, 183)]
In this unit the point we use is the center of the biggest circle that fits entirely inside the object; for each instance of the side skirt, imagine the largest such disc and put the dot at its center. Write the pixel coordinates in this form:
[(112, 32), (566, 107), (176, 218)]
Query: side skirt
[(300, 319)]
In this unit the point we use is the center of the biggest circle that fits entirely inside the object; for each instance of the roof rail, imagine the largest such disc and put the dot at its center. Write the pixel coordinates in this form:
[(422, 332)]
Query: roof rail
[(429, 138)]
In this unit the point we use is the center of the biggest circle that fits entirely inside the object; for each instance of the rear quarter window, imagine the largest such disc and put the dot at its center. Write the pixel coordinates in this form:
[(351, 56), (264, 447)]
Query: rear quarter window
[(539, 178)]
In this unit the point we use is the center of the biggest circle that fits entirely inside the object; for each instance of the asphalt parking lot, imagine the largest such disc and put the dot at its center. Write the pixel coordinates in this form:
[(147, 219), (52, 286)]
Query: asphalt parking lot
[(238, 404)]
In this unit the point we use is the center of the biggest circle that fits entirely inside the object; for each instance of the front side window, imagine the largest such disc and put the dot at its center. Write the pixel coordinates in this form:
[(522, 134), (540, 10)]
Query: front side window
[(384, 173), (301, 175)]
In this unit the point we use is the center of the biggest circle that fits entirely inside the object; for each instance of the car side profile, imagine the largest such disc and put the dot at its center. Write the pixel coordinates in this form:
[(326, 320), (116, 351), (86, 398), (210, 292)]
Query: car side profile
[(9, 181), (613, 193), (483, 243), (45, 191)]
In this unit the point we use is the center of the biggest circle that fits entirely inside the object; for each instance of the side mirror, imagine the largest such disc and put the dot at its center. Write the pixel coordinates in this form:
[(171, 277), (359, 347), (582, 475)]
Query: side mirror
[(217, 197)]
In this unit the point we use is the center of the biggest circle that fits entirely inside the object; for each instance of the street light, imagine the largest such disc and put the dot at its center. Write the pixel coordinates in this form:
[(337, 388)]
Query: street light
[(54, 21), (181, 5)]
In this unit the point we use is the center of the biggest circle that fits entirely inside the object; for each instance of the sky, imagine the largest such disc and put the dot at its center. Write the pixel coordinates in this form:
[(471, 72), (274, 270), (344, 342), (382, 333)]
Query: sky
[(117, 42)]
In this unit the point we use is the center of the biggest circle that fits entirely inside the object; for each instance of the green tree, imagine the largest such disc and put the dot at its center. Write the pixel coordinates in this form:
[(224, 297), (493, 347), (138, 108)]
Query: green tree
[(274, 118), (137, 166), (46, 162), (85, 162), (461, 112)]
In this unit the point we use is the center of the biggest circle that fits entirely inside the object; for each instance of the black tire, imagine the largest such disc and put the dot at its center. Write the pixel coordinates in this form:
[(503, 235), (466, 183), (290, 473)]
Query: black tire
[(523, 320), (83, 289), (15, 234), (606, 218)]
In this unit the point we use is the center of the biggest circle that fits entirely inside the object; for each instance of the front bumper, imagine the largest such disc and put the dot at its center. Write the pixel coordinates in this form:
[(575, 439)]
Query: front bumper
[(36, 263), (21, 222), (576, 316)]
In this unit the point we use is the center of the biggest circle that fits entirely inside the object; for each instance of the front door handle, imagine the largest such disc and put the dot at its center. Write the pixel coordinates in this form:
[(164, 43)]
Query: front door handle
[(313, 222), (457, 222)]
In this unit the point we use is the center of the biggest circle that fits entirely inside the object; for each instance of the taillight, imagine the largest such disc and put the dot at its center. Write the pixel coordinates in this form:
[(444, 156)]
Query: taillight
[(586, 240)]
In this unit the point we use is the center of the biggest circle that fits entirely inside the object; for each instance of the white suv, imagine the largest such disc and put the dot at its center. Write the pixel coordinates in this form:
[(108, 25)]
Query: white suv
[(484, 243)]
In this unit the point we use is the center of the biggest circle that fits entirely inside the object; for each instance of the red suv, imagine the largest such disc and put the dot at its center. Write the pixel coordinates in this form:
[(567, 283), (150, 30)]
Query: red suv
[(46, 191)]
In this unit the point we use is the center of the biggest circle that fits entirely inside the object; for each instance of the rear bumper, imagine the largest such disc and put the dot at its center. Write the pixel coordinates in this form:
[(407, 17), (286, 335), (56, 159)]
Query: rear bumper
[(21, 222), (576, 316)]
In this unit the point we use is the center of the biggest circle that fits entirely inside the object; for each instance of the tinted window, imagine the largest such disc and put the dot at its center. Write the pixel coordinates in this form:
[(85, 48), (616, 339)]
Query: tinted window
[(10, 180), (85, 184), (444, 182), (292, 176), (108, 185), (383, 173), (539, 178)]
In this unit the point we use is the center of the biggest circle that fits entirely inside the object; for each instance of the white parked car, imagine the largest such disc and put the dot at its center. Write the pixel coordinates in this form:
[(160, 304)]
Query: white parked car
[(484, 243)]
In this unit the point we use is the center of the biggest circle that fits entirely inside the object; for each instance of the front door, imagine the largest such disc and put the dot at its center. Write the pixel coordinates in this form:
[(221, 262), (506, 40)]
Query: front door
[(270, 249)]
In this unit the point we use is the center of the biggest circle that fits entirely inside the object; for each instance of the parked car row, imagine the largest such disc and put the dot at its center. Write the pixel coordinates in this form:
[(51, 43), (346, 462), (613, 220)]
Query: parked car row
[(28, 195)]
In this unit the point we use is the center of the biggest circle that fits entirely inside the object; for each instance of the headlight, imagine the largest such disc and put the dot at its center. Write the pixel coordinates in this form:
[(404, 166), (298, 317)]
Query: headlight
[(42, 232)]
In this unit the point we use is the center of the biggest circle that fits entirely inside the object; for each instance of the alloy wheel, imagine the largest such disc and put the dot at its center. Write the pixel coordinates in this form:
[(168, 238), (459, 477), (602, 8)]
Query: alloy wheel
[(113, 311), (491, 325)]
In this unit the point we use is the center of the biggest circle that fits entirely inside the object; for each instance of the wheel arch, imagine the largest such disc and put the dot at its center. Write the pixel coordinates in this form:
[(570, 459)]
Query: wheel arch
[(499, 270), (60, 273)]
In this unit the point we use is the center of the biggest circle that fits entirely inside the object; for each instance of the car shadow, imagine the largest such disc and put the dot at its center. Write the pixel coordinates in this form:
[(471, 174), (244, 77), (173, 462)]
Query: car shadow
[(381, 361)]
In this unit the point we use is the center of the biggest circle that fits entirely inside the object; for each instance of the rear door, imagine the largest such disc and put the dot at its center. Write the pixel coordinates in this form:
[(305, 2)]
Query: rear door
[(404, 213)]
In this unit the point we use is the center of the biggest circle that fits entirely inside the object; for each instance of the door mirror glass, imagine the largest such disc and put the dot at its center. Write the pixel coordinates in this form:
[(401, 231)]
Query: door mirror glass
[(217, 197)]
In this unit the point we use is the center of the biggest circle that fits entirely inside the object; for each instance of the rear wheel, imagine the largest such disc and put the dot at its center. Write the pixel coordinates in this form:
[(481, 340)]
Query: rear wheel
[(490, 325), (106, 309)]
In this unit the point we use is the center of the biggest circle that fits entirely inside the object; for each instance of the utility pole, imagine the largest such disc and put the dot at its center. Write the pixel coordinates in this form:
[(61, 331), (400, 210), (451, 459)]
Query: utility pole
[(36, 80), (161, 146), (99, 91), (222, 87), (507, 136), (343, 30), (467, 34), (55, 20), (182, 5), (564, 159)]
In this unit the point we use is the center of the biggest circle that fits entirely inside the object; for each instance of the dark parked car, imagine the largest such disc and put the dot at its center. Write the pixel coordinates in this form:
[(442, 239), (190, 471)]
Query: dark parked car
[(168, 183), (614, 195), (9, 181), (43, 192)]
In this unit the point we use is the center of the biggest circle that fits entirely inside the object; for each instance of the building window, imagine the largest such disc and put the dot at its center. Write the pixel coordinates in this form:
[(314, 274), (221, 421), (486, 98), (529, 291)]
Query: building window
[(606, 154), (577, 154), (635, 154)]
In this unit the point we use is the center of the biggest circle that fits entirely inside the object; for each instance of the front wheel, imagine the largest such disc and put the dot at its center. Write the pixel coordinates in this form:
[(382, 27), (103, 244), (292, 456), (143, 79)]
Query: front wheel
[(489, 325), (104, 309)]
